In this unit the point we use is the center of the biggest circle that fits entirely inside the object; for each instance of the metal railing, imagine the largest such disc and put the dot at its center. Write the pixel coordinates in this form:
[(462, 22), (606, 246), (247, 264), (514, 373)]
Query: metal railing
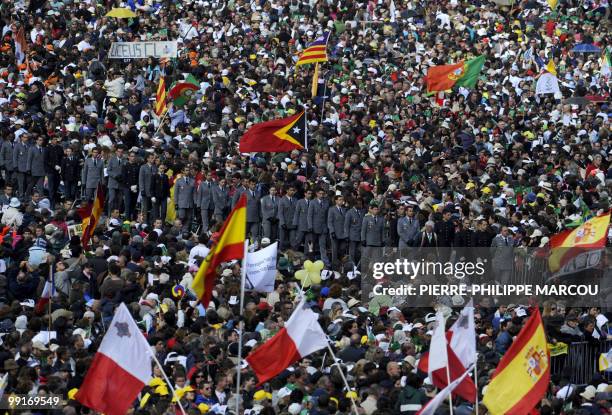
[(581, 361)]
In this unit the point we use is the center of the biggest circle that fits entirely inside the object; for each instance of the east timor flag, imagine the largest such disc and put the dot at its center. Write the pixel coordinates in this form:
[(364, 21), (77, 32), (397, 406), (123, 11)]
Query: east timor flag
[(229, 246), (276, 136), (523, 374), (464, 73)]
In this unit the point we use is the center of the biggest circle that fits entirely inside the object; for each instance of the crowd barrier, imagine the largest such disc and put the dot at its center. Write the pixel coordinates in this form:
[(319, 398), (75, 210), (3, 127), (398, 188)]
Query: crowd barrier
[(581, 362)]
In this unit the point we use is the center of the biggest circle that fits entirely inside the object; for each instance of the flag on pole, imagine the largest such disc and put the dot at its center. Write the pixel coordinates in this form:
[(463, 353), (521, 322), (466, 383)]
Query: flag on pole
[(606, 62), (229, 246), (605, 360), (431, 406), (547, 84), (464, 73), (552, 4), (160, 98), (392, 12), (315, 80), (120, 368), (301, 336), (181, 92), (261, 269), (522, 376), (90, 223), (315, 52), (550, 67), (47, 293), (438, 358), (463, 336), (21, 46), (281, 135)]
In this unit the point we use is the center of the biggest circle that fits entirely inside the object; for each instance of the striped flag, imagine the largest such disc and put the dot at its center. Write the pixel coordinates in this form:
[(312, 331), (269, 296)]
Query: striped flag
[(229, 246), (315, 52), (160, 98), (21, 46), (606, 62), (90, 223)]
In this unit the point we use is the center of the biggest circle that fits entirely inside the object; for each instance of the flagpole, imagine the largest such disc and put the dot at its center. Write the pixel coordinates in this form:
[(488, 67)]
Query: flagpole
[(476, 380), (348, 388), (305, 129), (448, 382), (169, 383), (51, 297), (241, 325)]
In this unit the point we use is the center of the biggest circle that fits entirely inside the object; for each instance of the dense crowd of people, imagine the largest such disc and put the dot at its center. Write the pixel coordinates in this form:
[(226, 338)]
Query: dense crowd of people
[(387, 166)]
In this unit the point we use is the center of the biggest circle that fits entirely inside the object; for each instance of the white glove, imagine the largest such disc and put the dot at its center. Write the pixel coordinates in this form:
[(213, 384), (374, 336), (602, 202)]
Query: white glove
[(134, 188), (153, 200), (79, 183), (58, 168)]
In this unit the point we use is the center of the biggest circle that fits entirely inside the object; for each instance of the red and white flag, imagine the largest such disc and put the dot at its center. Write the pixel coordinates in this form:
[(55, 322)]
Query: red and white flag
[(436, 401), (45, 297), (21, 46), (460, 355), (120, 369), (438, 357), (301, 336)]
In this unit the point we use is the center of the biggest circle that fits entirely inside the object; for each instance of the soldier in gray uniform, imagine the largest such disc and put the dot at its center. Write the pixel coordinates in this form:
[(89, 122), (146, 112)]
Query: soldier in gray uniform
[(300, 222), (20, 163), (240, 188), (115, 171), (253, 214), (317, 222), (372, 232), (221, 200), (36, 166), (145, 185), (204, 200), (352, 229), (6, 158), (286, 210), (93, 171), (408, 228), (269, 214), (337, 234), (184, 196)]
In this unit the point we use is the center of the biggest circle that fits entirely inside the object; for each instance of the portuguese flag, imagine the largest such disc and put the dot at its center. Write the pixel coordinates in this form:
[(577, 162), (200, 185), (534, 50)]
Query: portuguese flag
[(464, 73), (182, 91)]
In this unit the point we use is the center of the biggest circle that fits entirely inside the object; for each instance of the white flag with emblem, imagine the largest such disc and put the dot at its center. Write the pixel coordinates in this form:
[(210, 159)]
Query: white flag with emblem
[(547, 84)]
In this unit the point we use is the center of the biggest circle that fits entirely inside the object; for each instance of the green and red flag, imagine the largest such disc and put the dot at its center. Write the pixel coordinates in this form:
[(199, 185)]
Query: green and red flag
[(182, 91), (464, 73)]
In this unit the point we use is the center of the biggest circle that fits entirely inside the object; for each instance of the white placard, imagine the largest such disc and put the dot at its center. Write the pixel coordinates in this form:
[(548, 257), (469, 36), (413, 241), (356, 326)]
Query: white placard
[(140, 50)]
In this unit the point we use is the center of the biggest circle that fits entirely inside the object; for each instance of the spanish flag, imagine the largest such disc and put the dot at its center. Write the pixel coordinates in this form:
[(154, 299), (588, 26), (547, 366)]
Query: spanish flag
[(568, 244), (522, 376), (276, 136), (160, 98), (229, 246), (90, 223), (315, 52)]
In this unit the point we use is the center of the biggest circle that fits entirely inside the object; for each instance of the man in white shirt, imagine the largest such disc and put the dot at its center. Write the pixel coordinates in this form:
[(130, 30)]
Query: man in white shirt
[(200, 250)]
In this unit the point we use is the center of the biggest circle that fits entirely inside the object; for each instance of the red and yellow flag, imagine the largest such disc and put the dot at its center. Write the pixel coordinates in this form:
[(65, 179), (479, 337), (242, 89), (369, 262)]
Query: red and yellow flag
[(522, 376), (160, 97), (276, 136), (229, 246), (566, 245), (90, 223)]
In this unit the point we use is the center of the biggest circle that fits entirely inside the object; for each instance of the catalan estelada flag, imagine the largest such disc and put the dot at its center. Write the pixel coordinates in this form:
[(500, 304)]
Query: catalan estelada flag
[(464, 73), (276, 136), (522, 376), (90, 223), (566, 245), (229, 246), (315, 52), (160, 97)]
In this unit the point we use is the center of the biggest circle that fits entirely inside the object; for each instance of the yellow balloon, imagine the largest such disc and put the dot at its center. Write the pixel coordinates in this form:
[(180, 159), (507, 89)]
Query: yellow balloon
[(314, 277), (318, 266), (301, 274), (308, 264)]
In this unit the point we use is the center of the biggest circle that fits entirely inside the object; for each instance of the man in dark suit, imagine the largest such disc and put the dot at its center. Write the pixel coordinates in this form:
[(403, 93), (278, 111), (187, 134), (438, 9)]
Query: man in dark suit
[(93, 172), (184, 198), (53, 164), (70, 174), (145, 180), (161, 193), (131, 171), (36, 166), (221, 200), (317, 222), (253, 212), (115, 173), (204, 200), (269, 214), (20, 163), (286, 210), (335, 224)]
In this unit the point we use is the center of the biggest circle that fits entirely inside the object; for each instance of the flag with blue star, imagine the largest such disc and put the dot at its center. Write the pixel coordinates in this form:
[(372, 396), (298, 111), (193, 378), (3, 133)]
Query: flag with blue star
[(276, 136)]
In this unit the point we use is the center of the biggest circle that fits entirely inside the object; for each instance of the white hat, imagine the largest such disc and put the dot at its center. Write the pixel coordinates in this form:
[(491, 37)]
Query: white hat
[(265, 241), (89, 83), (14, 203)]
